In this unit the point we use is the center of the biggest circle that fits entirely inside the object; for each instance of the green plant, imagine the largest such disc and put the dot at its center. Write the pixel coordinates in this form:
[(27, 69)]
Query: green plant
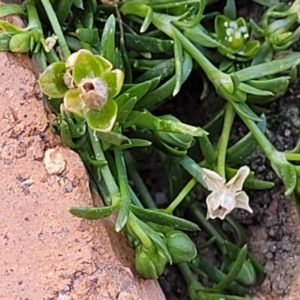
[(109, 69)]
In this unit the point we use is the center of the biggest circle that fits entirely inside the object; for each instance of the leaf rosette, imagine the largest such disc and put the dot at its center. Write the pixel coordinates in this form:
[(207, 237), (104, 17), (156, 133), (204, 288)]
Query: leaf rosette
[(87, 83)]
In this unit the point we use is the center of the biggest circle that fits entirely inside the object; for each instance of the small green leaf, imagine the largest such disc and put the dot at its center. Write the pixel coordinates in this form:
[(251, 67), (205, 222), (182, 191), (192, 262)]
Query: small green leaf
[(107, 45), (234, 271), (92, 213), (21, 42), (245, 110), (136, 143), (51, 80), (146, 120), (104, 119), (113, 138), (125, 108), (161, 218), (269, 68), (254, 91)]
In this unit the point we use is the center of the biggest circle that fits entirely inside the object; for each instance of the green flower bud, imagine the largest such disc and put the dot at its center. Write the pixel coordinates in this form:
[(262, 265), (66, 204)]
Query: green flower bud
[(181, 247), (148, 262), (247, 274)]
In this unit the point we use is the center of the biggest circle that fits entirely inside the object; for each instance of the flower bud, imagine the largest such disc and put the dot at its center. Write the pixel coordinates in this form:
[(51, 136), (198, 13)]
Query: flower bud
[(181, 247), (94, 92), (148, 262)]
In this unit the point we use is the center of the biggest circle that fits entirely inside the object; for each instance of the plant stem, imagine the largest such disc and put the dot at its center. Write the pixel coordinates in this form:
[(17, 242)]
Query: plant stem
[(109, 180), (213, 73), (133, 224), (195, 210), (56, 28), (125, 200), (188, 274), (184, 192), (139, 184), (223, 142), (33, 17), (259, 136)]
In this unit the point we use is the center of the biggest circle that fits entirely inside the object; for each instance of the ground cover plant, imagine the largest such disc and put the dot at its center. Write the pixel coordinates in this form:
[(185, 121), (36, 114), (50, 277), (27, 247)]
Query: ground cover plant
[(111, 69)]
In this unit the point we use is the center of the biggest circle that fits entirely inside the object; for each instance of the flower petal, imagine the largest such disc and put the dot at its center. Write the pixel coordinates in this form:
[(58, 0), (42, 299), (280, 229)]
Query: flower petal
[(236, 182), (242, 201), (73, 102), (220, 203), (213, 180)]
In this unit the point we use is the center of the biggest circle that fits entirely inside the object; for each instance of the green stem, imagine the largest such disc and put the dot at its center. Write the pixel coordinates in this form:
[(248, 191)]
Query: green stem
[(213, 73), (224, 138), (122, 176), (265, 144), (188, 275), (184, 192), (125, 200), (33, 17), (108, 178), (139, 184), (133, 224), (56, 28), (195, 210)]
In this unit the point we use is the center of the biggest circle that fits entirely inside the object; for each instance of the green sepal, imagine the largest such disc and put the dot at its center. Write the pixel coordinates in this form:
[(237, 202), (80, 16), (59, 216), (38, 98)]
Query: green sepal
[(86, 65), (4, 41), (269, 68), (51, 80), (104, 119), (74, 103), (114, 80)]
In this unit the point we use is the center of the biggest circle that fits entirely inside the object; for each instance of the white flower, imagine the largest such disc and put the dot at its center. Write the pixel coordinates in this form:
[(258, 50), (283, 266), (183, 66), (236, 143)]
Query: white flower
[(225, 196)]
